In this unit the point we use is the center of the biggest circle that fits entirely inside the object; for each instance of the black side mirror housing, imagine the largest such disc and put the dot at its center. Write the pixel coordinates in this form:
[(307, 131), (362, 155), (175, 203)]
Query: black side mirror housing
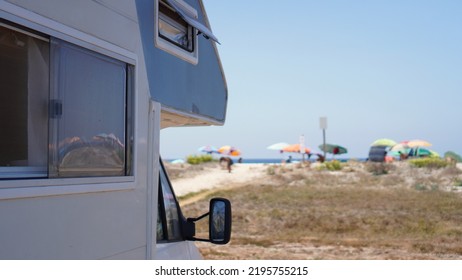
[(220, 221)]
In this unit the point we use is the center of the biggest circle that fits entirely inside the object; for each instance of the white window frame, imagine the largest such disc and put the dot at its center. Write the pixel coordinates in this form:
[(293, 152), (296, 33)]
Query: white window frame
[(17, 188), (163, 44)]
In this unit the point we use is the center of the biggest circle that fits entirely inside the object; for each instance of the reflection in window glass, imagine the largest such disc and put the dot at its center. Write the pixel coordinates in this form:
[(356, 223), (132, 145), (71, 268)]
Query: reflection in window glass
[(90, 123), (24, 88), (160, 227)]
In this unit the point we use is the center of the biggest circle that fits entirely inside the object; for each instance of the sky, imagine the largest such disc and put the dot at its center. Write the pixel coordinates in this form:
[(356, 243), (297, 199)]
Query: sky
[(374, 69)]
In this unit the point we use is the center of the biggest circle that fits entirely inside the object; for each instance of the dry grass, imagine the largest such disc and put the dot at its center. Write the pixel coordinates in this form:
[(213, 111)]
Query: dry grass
[(304, 213)]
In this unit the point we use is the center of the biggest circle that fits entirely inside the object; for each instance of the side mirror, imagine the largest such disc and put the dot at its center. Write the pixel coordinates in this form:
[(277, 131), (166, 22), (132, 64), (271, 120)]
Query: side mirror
[(219, 223)]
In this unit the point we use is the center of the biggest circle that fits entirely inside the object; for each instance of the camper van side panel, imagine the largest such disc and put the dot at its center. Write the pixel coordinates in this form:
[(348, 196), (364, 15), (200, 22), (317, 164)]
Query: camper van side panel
[(83, 218), (91, 226), (113, 21), (196, 89)]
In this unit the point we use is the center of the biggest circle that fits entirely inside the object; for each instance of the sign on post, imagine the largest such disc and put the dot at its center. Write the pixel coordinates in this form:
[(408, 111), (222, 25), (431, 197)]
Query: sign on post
[(323, 126), (302, 143), (323, 122), (302, 146)]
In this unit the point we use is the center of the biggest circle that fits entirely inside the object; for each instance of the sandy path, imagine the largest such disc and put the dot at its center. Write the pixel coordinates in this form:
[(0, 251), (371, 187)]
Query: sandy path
[(216, 177)]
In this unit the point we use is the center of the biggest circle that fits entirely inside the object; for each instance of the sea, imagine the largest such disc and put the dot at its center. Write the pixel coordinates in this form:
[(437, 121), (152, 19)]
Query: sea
[(278, 160)]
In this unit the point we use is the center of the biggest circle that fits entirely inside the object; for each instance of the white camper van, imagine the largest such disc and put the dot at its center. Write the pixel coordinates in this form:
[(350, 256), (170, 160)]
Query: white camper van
[(85, 88)]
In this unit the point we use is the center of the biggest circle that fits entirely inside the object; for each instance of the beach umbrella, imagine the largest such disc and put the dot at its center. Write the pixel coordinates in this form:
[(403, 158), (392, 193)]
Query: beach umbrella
[(229, 151), (422, 152), (400, 148), (417, 143), (393, 153), (333, 149), (384, 142), (278, 146), (208, 149), (295, 148)]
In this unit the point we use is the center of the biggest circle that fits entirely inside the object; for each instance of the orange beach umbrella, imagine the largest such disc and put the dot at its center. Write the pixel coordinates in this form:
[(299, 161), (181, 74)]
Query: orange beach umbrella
[(295, 148), (417, 143), (230, 151)]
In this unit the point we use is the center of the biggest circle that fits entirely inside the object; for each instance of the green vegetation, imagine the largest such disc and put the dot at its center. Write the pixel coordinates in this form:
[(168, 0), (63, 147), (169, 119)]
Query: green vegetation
[(458, 182), (452, 155), (193, 159), (333, 165), (429, 162), (423, 187)]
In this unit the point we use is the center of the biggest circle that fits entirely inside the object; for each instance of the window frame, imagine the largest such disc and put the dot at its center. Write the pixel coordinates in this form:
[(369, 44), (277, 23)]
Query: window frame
[(177, 23), (170, 46), (29, 187), (124, 94)]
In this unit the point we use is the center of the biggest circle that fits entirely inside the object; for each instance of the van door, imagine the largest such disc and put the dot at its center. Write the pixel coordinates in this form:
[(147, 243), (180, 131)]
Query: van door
[(170, 241)]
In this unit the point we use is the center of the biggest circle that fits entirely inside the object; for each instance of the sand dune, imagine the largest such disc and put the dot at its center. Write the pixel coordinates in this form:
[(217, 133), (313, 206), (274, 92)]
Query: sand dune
[(215, 176)]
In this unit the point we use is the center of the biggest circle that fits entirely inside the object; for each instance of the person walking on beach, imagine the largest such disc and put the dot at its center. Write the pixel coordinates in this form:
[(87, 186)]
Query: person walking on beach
[(228, 161), (321, 158)]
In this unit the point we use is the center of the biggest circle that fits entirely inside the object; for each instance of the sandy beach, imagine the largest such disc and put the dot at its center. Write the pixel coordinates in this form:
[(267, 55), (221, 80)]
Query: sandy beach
[(214, 176)]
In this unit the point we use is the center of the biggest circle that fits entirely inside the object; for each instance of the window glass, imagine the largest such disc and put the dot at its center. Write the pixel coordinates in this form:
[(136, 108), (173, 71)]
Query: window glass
[(160, 223), (89, 126), (65, 111), (170, 211), (175, 29), (24, 88)]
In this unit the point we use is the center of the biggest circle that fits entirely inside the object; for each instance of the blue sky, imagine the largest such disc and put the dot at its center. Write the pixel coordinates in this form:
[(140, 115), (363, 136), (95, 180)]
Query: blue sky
[(375, 69)]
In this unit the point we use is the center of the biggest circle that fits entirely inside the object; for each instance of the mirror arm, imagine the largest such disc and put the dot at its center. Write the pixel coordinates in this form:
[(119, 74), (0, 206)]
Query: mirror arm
[(198, 218), (200, 239)]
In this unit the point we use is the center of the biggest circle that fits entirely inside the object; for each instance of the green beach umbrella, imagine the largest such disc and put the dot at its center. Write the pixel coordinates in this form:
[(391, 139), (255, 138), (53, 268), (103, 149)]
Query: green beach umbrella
[(422, 152), (393, 153), (333, 149), (384, 142)]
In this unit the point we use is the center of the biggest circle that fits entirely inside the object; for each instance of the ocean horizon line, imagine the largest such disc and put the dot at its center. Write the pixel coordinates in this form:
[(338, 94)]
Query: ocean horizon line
[(279, 160)]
